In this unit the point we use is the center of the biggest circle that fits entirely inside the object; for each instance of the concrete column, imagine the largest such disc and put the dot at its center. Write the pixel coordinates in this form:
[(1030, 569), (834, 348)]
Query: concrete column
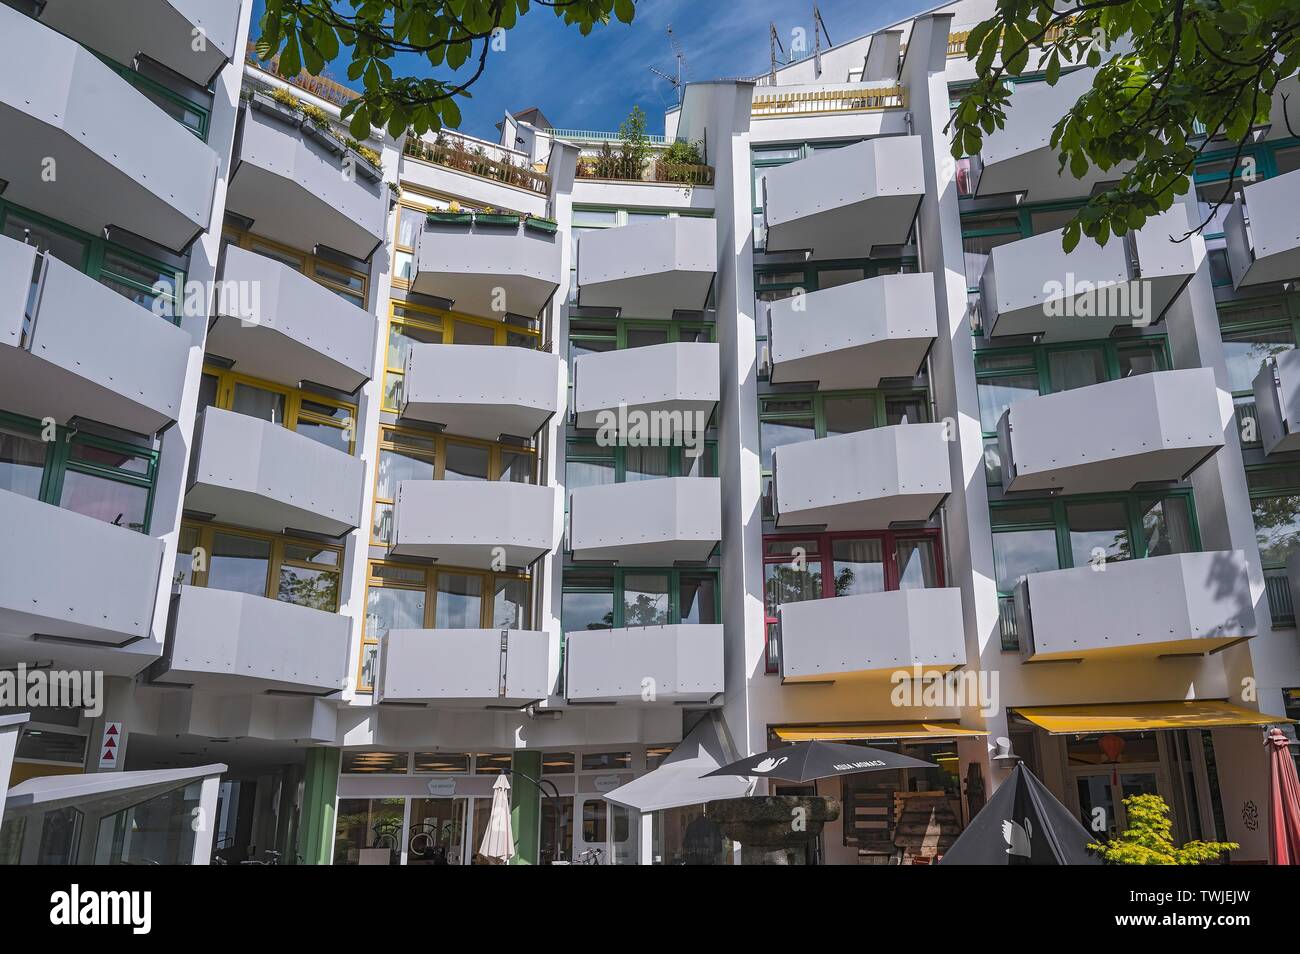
[(320, 793), (10, 726)]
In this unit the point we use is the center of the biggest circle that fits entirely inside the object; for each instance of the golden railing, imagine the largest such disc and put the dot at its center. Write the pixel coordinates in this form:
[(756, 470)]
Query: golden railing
[(828, 101)]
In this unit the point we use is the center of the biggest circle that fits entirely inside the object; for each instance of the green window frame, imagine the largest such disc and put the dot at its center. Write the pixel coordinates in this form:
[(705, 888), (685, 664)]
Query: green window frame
[(613, 580), (1007, 225), (1274, 495), (125, 271), (586, 449), (1034, 362), (195, 117), (1053, 515), (1269, 326), (81, 453)]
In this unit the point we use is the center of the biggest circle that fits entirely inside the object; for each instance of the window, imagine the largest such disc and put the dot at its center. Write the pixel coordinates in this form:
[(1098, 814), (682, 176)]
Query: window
[(775, 282), (1252, 332), (769, 157), (1035, 536), (348, 282), (826, 565), (146, 281), (590, 464), (794, 418), (414, 324), (593, 218), (323, 419), (1006, 375), (618, 598), (427, 597), (1216, 182), (409, 454), (100, 477), (1275, 508), (301, 572), (193, 116)]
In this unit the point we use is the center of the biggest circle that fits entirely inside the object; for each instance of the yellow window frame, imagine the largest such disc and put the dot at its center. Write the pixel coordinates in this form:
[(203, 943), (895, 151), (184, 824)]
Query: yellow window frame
[(314, 267), (438, 453), (487, 598), (443, 322), (200, 535), (294, 412)]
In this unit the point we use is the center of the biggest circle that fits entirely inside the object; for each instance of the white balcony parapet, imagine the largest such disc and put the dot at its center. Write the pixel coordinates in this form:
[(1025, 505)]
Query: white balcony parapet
[(853, 335), (241, 644), (111, 603), (486, 269), (1261, 232), (872, 633), (275, 323), (1019, 158), (289, 181), (252, 473), (649, 269), (673, 387), (474, 523), (864, 480), (120, 160), (1277, 402), (491, 668), (166, 31), (1112, 436), (1034, 287), (1174, 605), (840, 203), (483, 391), (644, 666), (649, 522), (70, 346)]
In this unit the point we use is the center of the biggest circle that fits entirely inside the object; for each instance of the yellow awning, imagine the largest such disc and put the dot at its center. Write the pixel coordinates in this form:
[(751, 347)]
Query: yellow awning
[(853, 732), (1144, 717)]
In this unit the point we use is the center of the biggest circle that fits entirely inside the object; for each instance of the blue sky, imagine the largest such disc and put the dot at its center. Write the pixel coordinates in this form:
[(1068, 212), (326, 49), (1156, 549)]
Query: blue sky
[(592, 82)]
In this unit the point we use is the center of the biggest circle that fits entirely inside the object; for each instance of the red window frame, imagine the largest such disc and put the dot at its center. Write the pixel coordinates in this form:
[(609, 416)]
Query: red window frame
[(889, 540)]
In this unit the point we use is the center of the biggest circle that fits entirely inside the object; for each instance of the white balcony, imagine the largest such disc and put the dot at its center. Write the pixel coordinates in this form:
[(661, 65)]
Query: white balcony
[(851, 336), (648, 665), (866, 480), (70, 346), (676, 384), (164, 30), (1277, 403), (1262, 233), (871, 633), (648, 522), (119, 160), (479, 668), (1033, 287), (1112, 436), (252, 473), (237, 643), (1176, 605), (275, 323), (840, 203), (488, 270), (68, 576), (649, 269), (290, 181), (474, 523), (483, 391), (1019, 157)]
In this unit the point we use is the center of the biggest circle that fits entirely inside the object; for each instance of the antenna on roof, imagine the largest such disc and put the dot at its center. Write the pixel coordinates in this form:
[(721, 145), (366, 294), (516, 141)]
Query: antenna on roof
[(680, 57), (774, 43), (819, 27)]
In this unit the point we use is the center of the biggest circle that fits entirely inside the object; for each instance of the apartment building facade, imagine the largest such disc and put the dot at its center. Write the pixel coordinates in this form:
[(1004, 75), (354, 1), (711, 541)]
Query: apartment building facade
[(494, 457)]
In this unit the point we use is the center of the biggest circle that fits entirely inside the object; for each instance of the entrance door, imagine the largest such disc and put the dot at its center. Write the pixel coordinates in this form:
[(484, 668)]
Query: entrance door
[(436, 832), (1101, 808), (604, 830)]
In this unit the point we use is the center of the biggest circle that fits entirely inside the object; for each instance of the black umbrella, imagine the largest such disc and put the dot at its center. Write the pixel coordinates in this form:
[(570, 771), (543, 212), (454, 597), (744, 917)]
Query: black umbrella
[(1022, 824), (806, 761)]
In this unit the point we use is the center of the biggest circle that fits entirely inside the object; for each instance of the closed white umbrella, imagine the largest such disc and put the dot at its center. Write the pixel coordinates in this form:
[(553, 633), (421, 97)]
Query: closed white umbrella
[(499, 841)]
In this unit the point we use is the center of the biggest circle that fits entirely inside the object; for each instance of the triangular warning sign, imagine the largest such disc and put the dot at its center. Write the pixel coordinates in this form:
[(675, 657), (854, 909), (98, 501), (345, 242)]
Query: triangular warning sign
[(107, 756), (111, 730), (110, 744)]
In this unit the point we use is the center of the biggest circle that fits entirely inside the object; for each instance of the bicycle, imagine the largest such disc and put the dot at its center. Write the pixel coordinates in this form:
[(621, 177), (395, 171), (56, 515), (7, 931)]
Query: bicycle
[(589, 856)]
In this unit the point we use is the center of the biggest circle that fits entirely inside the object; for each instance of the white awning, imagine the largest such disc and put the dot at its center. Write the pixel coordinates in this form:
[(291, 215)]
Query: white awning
[(676, 782)]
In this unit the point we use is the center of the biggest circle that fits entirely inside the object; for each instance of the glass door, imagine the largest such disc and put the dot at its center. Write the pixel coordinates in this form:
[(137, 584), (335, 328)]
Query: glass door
[(606, 833), (436, 832), (1101, 808)]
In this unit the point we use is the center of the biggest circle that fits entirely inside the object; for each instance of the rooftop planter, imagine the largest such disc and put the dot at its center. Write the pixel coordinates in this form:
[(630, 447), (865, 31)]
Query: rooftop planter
[(541, 224), (451, 218), (455, 153), (315, 124), (504, 219)]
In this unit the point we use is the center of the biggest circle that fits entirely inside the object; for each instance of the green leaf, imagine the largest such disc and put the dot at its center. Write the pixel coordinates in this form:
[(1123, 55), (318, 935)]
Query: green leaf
[(625, 10)]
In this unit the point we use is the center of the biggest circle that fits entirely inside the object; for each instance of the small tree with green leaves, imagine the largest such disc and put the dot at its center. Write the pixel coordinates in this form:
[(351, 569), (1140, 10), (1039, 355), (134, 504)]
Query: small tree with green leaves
[(1148, 840), (634, 143)]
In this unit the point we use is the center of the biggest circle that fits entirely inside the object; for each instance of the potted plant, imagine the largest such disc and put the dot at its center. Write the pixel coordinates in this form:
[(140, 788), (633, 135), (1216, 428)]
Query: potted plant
[(452, 215), (540, 223), (490, 216)]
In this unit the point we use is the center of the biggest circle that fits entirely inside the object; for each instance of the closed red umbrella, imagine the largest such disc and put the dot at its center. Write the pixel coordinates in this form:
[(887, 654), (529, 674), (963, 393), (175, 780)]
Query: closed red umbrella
[(1283, 802)]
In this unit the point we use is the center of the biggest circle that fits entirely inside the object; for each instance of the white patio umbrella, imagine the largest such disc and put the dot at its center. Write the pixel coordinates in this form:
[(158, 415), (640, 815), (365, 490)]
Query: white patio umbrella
[(499, 841)]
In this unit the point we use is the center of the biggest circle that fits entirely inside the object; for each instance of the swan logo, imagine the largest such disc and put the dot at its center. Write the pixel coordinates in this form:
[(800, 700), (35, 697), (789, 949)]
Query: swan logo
[(768, 765), (1017, 837)]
